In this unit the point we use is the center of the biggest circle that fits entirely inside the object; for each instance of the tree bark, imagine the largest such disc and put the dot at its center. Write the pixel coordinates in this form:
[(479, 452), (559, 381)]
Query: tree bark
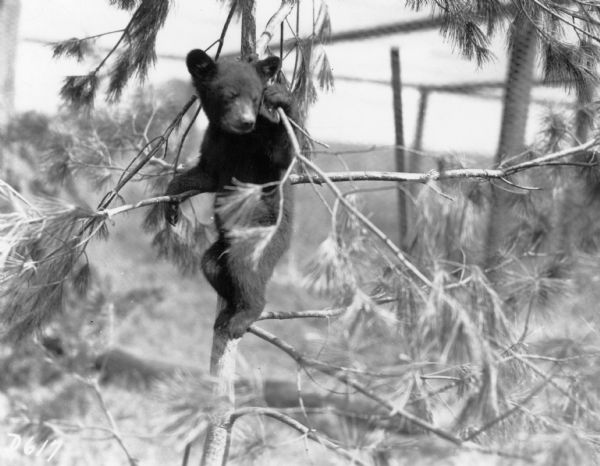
[(517, 96), (222, 368), (9, 21), (248, 45)]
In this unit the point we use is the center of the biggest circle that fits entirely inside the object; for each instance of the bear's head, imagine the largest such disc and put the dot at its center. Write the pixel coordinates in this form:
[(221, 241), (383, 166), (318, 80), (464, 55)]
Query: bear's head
[(231, 91)]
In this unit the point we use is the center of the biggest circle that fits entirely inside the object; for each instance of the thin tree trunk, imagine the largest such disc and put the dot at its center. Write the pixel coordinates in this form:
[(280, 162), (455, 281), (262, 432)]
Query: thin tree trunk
[(248, 45), (222, 369), (9, 23), (9, 20), (517, 96), (224, 349)]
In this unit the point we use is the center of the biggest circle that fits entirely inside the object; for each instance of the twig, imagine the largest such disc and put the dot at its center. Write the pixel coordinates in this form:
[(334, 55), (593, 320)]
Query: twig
[(161, 140), (307, 135), (368, 223), (321, 314), (293, 423), (96, 36), (326, 369), (221, 39), (392, 410), (515, 185), (186, 454), (125, 33), (113, 425), (184, 137), (108, 213), (540, 161), (303, 410), (541, 373), (510, 412), (593, 354), (564, 20)]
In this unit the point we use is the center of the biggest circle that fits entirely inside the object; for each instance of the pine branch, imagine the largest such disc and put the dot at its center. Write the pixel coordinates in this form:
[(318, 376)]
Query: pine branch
[(293, 423), (488, 425), (344, 378), (393, 411), (523, 359), (146, 154), (139, 53), (74, 47), (319, 178), (368, 223), (557, 15)]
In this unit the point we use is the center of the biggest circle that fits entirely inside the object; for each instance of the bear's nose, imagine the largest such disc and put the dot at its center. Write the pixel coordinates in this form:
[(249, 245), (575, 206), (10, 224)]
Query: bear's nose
[(246, 122)]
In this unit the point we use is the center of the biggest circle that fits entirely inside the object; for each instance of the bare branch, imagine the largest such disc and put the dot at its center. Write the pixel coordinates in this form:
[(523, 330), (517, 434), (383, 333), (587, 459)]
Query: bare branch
[(221, 39), (271, 28), (293, 423), (320, 314), (454, 174), (584, 148), (113, 425)]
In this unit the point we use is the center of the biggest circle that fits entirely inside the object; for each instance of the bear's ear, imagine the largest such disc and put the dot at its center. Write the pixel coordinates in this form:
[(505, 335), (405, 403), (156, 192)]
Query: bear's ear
[(268, 67), (200, 65)]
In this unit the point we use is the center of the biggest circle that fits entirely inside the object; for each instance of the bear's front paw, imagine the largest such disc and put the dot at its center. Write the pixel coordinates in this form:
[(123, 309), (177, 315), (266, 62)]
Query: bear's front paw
[(172, 213), (278, 96)]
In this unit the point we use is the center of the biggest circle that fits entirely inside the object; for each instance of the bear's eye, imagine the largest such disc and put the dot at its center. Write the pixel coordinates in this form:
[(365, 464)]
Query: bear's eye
[(232, 94)]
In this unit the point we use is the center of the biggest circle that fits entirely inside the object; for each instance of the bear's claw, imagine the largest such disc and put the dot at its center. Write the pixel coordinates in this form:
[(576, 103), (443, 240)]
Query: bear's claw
[(172, 213)]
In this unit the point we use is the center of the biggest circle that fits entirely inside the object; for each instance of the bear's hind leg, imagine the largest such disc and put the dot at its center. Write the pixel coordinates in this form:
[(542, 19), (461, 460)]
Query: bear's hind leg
[(244, 315), (245, 304), (242, 288)]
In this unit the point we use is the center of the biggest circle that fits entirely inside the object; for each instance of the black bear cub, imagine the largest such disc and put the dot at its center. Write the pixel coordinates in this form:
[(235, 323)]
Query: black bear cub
[(245, 142)]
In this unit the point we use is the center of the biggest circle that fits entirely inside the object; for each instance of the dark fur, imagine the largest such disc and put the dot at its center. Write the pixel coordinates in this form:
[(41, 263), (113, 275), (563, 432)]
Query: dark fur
[(245, 141)]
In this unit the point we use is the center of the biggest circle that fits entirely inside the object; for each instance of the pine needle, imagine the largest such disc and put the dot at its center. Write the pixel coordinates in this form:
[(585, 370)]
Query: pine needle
[(124, 4), (73, 47), (40, 247), (329, 271), (572, 64), (238, 207), (79, 91), (183, 245)]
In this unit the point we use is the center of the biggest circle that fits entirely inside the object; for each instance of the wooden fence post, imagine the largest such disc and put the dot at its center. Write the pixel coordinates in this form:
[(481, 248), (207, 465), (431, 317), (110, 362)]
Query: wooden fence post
[(415, 161), (399, 150)]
